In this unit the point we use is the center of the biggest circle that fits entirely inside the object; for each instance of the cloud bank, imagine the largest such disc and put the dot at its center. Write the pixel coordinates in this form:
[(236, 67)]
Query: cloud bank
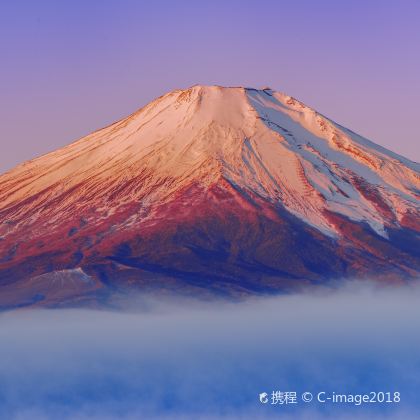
[(184, 359)]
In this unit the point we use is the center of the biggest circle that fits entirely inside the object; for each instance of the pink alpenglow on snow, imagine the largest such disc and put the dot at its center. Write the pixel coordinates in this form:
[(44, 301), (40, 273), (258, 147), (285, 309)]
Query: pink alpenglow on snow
[(209, 189)]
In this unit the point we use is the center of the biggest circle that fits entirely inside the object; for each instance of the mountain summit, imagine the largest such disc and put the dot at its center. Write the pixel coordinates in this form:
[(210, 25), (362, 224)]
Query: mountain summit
[(207, 190)]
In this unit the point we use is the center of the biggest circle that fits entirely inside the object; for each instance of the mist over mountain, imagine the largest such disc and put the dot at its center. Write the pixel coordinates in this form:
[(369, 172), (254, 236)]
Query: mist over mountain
[(179, 359), (208, 191)]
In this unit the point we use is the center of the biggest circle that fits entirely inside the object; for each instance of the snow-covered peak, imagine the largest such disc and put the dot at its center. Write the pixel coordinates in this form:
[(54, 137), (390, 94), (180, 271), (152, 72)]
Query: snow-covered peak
[(261, 141)]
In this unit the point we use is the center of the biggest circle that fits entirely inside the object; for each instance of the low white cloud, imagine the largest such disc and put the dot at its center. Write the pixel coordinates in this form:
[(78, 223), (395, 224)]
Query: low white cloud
[(187, 359)]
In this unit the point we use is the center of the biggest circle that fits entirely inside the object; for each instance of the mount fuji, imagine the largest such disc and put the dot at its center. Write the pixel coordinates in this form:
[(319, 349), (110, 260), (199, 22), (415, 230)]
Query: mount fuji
[(208, 191)]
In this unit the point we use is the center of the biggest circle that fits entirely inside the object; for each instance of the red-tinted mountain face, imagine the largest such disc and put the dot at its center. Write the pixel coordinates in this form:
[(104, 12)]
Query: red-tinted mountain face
[(205, 191)]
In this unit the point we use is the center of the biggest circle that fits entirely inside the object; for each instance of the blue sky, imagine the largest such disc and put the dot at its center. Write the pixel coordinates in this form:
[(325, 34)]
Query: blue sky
[(71, 67)]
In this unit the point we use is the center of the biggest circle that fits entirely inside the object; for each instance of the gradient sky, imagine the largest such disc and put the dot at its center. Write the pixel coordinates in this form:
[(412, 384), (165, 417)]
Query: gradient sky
[(70, 67)]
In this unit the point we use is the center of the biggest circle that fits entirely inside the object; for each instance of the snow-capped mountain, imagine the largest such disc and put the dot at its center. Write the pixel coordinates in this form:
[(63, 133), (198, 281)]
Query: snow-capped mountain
[(209, 189)]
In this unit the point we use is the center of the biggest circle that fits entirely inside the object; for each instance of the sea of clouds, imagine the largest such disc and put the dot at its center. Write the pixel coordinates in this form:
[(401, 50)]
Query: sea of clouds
[(184, 359)]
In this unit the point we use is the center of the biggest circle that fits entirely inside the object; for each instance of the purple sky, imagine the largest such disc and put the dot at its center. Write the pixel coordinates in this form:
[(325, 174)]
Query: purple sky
[(70, 67)]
